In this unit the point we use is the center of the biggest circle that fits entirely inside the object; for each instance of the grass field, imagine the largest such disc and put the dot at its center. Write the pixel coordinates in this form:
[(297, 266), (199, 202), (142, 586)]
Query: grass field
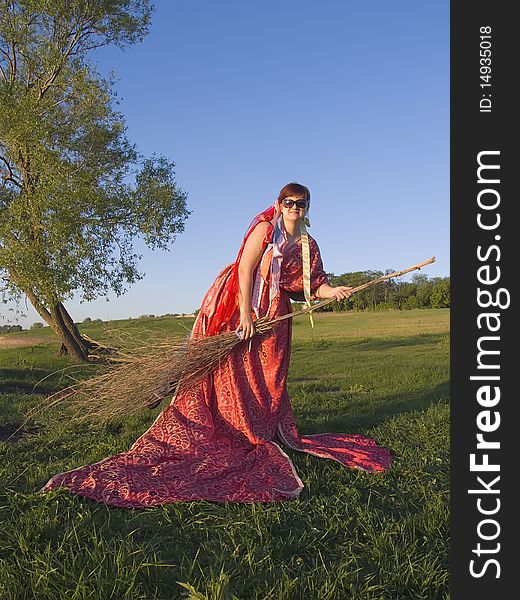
[(351, 534)]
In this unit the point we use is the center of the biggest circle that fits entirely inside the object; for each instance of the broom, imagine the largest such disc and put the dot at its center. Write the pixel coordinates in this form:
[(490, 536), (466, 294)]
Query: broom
[(146, 376)]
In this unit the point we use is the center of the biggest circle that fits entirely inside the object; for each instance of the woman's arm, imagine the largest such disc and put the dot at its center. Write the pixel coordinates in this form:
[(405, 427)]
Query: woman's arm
[(248, 262)]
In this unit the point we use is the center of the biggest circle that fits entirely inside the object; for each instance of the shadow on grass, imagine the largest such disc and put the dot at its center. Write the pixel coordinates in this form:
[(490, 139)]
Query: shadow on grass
[(305, 378), (319, 419), (26, 380), (25, 387), (403, 342), (367, 344), (13, 433)]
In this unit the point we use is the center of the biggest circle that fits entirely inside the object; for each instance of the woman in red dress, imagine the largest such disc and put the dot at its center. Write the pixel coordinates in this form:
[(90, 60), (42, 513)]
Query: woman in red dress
[(221, 440)]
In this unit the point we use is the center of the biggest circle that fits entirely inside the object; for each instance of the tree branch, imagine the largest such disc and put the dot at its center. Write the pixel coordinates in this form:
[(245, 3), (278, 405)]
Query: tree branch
[(55, 104), (11, 177), (29, 69), (13, 70), (76, 37), (6, 54)]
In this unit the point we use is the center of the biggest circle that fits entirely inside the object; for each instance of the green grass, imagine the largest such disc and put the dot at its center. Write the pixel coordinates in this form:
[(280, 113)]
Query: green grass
[(351, 534)]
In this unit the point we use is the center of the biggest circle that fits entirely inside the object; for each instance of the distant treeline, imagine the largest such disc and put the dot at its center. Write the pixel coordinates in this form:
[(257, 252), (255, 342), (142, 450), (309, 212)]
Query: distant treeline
[(10, 328), (420, 292)]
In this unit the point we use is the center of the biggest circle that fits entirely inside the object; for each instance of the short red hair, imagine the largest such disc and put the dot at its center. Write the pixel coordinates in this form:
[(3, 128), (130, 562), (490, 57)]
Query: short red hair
[(295, 189)]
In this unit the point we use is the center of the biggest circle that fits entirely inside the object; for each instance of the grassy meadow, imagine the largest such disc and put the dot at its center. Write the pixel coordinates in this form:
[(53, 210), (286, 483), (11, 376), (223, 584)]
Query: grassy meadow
[(350, 534)]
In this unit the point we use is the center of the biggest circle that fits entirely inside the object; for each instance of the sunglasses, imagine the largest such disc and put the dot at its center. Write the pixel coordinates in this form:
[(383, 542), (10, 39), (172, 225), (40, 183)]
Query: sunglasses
[(287, 203)]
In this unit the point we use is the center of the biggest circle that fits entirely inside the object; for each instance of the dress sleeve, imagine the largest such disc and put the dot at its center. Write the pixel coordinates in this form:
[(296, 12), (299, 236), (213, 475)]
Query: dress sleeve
[(268, 238)]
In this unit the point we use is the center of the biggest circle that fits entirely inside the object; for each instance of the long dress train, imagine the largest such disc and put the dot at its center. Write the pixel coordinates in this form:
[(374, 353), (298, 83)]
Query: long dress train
[(220, 441)]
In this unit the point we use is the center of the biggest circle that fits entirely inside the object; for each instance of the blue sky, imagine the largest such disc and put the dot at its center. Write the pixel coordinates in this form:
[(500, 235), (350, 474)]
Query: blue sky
[(349, 98)]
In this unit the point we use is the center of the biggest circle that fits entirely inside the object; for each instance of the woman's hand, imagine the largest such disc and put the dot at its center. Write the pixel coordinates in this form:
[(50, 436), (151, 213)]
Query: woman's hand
[(340, 292), (246, 325)]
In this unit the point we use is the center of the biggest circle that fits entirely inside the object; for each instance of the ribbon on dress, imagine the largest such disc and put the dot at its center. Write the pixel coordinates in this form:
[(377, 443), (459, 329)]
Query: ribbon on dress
[(279, 243), (306, 260)]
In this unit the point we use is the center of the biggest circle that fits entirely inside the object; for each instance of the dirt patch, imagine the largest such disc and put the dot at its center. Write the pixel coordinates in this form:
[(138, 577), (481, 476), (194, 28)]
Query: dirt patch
[(16, 342)]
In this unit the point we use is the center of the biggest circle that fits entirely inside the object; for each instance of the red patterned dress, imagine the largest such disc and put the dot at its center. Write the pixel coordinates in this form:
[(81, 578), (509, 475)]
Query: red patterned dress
[(221, 441)]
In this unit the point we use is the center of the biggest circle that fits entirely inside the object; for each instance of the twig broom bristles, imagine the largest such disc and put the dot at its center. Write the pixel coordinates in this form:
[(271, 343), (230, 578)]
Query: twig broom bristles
[(144, 377)]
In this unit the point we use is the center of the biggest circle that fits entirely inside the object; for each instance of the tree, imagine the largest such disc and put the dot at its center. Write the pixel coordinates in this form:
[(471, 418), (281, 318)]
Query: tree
[(440, 297), (75, 194), (296, 306), (367, 298), (10, 328), (423, 291)]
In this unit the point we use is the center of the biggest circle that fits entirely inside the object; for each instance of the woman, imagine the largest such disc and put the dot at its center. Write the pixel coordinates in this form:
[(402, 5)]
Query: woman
[(220, 440)]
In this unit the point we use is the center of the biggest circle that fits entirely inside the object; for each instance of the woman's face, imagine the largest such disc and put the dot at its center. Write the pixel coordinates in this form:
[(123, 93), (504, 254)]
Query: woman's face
[(294, 212)]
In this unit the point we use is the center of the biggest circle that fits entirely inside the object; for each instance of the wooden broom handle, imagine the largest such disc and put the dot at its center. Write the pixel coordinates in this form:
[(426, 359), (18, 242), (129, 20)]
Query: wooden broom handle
[(356, 289)]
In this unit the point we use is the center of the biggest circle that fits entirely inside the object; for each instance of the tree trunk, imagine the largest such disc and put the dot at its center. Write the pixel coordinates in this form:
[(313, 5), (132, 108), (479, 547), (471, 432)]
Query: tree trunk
[(70, 343), (58, 319), (73, 332), (88, 344)]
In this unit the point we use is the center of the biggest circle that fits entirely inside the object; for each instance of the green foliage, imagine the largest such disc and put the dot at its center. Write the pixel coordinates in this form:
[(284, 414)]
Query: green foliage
[(423, 291), (76, 192), (440, 297), (37, 325), (10, 328), (420, 292)]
